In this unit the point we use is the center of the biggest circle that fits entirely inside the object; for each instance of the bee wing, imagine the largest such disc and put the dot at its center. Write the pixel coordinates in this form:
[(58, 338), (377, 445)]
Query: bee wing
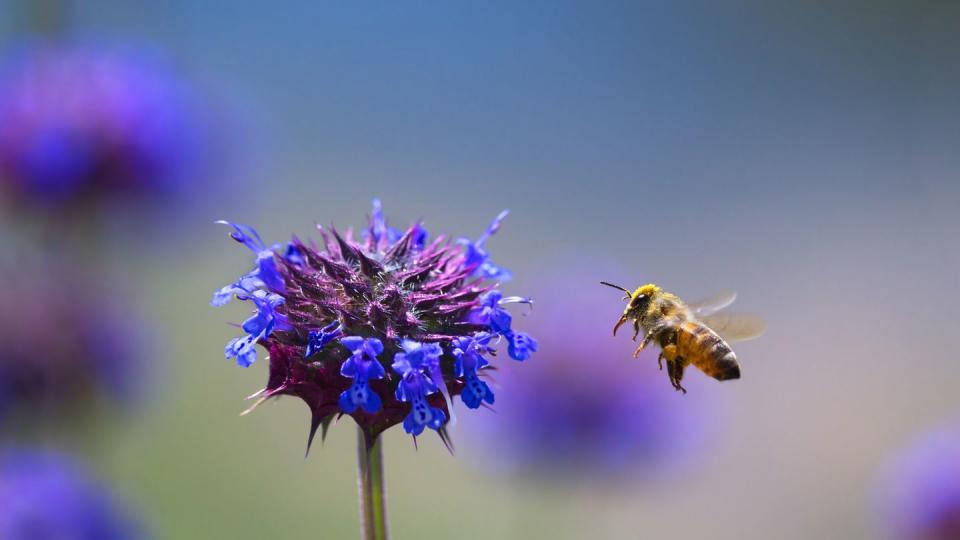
[(735, 326), (711, 305)]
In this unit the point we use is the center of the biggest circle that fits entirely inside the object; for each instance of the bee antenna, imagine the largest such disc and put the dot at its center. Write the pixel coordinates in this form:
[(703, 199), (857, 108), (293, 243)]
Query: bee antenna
[(615, 287)]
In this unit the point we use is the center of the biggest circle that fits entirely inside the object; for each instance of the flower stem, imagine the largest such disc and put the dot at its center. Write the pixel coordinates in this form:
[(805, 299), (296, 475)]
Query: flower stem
[(373, 508)]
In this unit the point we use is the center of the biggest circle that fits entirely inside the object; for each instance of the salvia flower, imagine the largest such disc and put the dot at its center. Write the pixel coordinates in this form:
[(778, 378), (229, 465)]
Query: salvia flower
[(45, 495), (388, 328), (919, 489), (67, 345), (82, 124), (586, 410)]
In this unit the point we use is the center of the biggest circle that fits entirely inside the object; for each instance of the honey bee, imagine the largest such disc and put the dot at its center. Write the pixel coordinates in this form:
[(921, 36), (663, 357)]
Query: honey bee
[(687, 333)]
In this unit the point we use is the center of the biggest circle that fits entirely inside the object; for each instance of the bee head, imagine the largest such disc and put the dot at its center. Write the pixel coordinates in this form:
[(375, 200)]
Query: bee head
[(640, 297), (638, 302)]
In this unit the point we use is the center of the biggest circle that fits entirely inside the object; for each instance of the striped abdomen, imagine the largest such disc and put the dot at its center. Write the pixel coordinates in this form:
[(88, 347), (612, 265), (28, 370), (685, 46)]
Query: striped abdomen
[(702, 347)]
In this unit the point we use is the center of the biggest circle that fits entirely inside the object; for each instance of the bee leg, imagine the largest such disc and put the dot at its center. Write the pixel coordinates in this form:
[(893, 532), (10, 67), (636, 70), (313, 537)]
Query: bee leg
[(660, 360), (675, 370), (636, 329), (646, 341)]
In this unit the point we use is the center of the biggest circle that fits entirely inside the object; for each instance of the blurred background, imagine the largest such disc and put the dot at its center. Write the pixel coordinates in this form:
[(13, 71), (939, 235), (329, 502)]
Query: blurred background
[(804, 154)]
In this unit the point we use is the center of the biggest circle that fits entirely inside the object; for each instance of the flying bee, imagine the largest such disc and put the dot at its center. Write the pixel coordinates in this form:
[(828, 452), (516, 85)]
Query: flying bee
[(687, 334)]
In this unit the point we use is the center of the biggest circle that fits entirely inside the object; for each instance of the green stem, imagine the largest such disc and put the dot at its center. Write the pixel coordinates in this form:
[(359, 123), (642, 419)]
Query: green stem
[(373, 508)]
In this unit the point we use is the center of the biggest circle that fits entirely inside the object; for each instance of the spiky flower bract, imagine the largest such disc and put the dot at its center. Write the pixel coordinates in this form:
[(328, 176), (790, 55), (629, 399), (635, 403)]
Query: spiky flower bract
[(386, 328), (46, 495)]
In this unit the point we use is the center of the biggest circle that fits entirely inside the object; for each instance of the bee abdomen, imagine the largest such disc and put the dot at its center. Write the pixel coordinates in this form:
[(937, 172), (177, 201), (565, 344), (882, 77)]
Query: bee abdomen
[(703, 348)]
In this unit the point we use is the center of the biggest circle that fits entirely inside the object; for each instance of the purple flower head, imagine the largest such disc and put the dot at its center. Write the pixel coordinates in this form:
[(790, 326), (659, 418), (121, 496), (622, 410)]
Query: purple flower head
[(67, 344), (919, 489), (333, 317), (79, 125), (45, 495), (585, 410)]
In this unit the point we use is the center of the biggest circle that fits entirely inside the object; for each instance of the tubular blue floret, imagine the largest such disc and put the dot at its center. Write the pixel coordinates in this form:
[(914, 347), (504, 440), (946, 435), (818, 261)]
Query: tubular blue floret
[(478, 258), (362, 366), (318, 339), (265, 271), (417, 364), (491, 313), (521, 345), (393, 295), (293, 255), (469, 351), (257, 327)]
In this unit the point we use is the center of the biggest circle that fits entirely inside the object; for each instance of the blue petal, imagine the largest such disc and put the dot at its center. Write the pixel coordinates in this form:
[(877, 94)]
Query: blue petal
[(491, 271), (522, 345), (411, 426), (500, 320), (375, 370), (268, 272), (247, 358), (373, 402), (294, 255), (246, 235), (354, 343), (346, 403), (230, 350), (349, 368), (318, 339), (439, 417), (223, 296)]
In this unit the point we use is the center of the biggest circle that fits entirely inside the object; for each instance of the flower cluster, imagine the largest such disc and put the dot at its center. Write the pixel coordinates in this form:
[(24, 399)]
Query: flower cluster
[(82, 124), (66, 346), (46, 495), (386, 328)]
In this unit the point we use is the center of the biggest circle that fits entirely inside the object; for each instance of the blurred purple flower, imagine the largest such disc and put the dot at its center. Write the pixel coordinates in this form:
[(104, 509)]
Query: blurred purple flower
[(586, 409), (919, 489), (46, 496), (81, 124), (64, 344), (385, 329)]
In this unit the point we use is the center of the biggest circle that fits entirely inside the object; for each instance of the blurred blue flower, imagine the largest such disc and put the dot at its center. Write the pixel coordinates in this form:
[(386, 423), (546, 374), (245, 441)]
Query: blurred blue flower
[(47, 496), (586, 410), (390, 297), (919, 489), (67, 344), (81, 124)]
